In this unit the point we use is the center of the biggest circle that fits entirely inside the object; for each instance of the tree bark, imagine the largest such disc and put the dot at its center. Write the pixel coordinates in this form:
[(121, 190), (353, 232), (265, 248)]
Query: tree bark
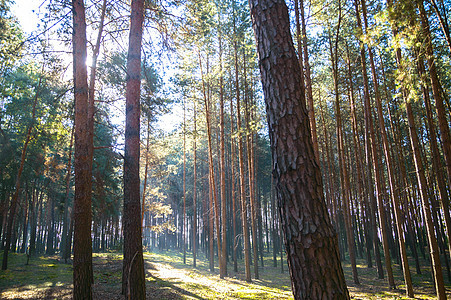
[(82, 163), (311, 244), (133, 277)]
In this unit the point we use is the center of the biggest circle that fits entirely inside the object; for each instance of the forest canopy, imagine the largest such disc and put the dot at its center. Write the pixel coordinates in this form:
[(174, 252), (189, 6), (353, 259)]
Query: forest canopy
[(315, 131)]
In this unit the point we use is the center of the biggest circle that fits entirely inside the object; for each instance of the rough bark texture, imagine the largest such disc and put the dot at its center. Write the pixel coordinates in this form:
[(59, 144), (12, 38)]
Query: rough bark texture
[(311, 244), (133, 279), (82, 163)]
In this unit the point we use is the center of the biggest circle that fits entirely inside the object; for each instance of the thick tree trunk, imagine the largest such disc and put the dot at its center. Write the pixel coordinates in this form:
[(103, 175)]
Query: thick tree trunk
[(133, 277), (83, 164), (310, 240)]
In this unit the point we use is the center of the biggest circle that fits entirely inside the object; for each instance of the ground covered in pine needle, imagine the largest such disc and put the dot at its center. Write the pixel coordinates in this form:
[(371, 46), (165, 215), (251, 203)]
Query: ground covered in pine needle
[(48, 277)]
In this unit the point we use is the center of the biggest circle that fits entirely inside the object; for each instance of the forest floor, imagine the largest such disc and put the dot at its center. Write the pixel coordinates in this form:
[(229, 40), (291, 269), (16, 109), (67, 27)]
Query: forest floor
[(48, 277)]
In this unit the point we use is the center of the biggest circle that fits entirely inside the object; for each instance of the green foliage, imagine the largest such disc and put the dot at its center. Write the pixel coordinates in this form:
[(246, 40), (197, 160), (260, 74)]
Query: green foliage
[(11, 38)]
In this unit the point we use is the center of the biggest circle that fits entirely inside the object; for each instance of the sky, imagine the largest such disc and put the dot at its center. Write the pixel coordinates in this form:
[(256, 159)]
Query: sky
[(27, 12)]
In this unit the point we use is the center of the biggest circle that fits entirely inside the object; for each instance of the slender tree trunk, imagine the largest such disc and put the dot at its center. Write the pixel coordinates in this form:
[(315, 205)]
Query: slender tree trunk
[(15, 197), (419, 169), (390, 169), (440, 109), (133, 277), (308, 83), (223, 256), (422, 186), (359, 169), (344, 178), (66, 220), (211, 167), (242, 183), (232, 179), (195, 189), (312, 247), (436, 163), (146, 169), (250, 171), (443, 22), (184, 184), (375, 158)]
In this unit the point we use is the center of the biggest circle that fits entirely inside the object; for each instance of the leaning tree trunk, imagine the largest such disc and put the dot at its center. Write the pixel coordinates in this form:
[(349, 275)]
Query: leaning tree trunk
[(311, 244), (133, 278)]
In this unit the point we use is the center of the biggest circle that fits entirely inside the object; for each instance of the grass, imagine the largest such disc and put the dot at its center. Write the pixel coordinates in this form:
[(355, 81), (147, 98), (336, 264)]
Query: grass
[(168, 278), (42, 278)]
